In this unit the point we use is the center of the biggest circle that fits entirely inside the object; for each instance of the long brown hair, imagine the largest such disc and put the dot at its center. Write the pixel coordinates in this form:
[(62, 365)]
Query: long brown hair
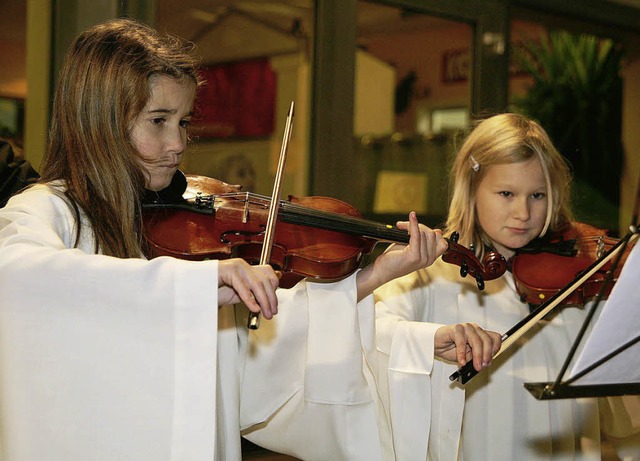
[(103, 86), (503, 139)]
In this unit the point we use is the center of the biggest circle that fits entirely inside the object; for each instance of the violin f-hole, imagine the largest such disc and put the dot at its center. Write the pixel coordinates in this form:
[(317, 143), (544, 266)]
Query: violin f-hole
[(243, 236)]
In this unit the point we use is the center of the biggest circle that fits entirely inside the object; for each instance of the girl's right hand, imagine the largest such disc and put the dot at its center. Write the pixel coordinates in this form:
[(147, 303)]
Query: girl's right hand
[(467, 341), (255, 286)]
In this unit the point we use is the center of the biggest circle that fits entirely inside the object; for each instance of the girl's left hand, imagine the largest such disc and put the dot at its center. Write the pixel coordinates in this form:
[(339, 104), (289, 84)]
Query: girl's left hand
[(425, 246)]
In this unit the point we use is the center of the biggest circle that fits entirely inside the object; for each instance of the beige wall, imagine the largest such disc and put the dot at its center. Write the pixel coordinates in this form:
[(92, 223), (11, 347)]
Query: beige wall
[(374, 98), (38, 66)]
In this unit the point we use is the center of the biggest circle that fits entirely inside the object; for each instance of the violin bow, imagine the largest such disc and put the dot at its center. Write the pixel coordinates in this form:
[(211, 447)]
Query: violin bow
[(265, 256), (635, 221)]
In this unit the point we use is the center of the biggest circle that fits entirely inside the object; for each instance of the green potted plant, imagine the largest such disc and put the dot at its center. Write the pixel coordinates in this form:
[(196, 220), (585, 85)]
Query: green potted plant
[(576, 96)]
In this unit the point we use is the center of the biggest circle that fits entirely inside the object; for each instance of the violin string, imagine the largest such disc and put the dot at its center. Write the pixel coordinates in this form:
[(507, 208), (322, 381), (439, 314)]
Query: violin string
[(345, 223), (328, 220)]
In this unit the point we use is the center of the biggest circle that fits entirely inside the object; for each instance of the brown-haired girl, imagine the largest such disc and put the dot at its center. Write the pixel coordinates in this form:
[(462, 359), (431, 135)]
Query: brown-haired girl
[(105, 355)]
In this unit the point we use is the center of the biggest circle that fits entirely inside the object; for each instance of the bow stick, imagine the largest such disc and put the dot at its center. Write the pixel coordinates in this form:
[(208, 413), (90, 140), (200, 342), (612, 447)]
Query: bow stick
[(265, 256)]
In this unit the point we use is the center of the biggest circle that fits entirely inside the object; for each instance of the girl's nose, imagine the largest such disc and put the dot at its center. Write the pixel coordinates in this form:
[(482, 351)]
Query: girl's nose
[(176, 141), (521, 209)]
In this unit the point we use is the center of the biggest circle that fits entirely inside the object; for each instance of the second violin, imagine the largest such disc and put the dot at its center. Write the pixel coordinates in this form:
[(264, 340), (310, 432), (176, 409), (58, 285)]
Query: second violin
[(544, 267)]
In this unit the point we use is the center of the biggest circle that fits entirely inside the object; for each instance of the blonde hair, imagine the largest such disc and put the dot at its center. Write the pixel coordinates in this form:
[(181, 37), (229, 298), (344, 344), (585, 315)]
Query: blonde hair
[(504, 139), (103, 86)]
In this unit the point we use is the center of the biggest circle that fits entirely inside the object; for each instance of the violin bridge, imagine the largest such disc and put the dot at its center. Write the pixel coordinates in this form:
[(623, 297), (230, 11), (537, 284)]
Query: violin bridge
[(245, 213)]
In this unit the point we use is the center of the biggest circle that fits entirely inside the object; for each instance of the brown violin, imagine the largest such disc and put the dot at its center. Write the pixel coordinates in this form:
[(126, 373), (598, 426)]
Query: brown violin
[(588, 258), (321, 238), (541, 270)]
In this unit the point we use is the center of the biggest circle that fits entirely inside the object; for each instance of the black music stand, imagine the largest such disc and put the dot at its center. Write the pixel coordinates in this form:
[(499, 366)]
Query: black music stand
[(609, 364)]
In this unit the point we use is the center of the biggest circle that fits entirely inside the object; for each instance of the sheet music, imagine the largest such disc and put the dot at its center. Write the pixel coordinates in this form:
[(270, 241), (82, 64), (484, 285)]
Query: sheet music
[(619, 322)]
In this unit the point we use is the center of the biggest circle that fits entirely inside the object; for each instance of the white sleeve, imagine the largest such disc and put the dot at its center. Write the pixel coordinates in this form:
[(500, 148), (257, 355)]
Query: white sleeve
[(101, 358), (405, 362), (305, 390)]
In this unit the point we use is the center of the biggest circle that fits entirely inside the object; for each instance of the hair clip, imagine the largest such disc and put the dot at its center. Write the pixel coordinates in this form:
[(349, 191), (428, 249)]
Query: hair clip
[(475, 166)]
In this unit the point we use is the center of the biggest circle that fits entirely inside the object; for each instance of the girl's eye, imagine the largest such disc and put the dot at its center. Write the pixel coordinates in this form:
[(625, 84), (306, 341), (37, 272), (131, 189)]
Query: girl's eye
[(157, 120), (505, 193), (185, 123), (538, 195)]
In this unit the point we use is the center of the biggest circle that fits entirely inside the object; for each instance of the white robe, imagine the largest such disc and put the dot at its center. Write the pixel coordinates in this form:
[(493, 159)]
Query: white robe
[(112, 359), (500, 420)]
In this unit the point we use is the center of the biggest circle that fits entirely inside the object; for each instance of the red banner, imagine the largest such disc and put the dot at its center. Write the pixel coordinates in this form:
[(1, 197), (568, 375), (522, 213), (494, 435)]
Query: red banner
[(237, 100)]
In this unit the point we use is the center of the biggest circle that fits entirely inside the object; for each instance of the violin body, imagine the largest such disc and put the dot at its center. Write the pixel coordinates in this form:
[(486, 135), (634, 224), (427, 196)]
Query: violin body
[(539, 275), (320, 238), (232, 225)]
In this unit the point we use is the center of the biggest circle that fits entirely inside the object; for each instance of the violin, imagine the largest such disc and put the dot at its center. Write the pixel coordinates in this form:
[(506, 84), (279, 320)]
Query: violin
[(544, 267), (596, 274), (320, 238)]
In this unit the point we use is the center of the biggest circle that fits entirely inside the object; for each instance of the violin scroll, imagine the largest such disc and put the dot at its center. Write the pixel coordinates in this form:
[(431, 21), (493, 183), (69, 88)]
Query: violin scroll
[(493, 264)]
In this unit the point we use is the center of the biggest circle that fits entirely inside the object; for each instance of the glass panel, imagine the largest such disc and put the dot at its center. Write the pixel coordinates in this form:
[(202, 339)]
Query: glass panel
[(412, 94), (581, 111), (257, 58)]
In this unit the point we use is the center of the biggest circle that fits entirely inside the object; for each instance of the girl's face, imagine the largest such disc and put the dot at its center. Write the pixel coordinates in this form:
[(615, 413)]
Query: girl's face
[(511, 204), (159, 132)]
